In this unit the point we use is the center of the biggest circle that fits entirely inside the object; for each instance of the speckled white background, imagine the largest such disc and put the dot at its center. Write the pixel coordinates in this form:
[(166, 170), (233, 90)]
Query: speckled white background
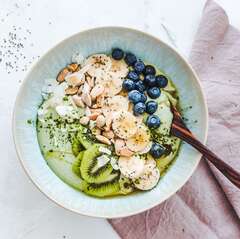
[(24, 212)]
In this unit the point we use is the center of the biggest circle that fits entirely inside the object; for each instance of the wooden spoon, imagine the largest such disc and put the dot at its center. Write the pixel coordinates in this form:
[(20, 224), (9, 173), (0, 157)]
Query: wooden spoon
[(180, 130)]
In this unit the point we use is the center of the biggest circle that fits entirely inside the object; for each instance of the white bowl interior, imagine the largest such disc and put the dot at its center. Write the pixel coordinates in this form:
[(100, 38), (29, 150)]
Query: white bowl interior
[(100, 40)]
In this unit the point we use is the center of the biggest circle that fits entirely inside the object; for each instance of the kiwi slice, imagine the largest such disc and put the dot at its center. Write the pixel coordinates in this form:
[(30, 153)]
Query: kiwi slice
[(126, 186), (89, 170), (102, 190), (76, 146), (85, 137), (76, 164)]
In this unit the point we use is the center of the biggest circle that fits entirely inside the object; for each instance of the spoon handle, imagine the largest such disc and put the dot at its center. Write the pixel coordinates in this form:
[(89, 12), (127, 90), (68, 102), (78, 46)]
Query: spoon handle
[(229, 172)]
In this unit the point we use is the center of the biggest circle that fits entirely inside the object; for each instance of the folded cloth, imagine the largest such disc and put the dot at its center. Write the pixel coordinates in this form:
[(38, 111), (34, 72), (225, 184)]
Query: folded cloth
[(208, 206)]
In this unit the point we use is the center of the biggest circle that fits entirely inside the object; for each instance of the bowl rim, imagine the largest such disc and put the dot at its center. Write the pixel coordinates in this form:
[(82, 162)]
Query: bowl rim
[(19, 94)]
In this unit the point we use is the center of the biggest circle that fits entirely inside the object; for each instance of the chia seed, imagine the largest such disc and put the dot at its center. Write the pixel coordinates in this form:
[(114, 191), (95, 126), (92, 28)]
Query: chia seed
[(12, 48)]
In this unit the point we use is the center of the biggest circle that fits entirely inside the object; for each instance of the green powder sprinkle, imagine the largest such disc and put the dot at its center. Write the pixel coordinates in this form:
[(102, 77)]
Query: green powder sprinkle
[(29, 121)]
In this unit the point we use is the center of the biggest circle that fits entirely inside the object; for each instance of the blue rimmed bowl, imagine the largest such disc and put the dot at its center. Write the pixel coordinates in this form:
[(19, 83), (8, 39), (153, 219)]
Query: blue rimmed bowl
[(92, 41)]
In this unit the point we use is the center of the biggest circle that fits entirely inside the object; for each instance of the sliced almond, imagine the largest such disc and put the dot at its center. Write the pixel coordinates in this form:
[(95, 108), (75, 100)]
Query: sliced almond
[(90, 80), (86, 88), (96, 131), (119, 145), (71, 90), (126, 152), (97, 90), (100, 121), (92, 124), (77, 78), (78, 101), (108, 123), (62, 74), (96, 110), (112, 140), (100, 100), (94, 106), (87, 111), (74, 80), (93, 116), (73, 67), (80, 89), (103, 139), (86, 98), (108, 134), (84, 120)]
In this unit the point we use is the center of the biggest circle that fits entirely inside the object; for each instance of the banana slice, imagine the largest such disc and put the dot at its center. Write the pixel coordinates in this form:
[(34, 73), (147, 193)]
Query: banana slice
[(148, 179), (146, 149), (150, 163), (131, 167), (119, 68), (140, 140), (111, 82), (101, 61), (111, 78), (124, 124), (99, 64), (114, 104)]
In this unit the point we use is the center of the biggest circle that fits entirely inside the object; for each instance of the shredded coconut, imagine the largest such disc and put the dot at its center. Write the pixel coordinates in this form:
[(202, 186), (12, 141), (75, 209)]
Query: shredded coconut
[(114, 163), (105, 150), (78, 58), (102, 160)]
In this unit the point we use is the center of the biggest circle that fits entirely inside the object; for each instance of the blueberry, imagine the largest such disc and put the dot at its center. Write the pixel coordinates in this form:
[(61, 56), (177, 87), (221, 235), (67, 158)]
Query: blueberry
[(157, 150), (117, 54), (150, 80), (130, 59), (139, 85), (128, 85), (135, 96), (133, 76), (153, 121), (139, 66), (161, 81), (149, 70), (143, 98), (139, 108), (151, 107), (154, 92)]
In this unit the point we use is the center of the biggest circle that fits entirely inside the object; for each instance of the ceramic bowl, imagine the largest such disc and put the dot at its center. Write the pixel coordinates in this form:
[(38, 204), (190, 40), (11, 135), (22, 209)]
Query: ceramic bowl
[(99, 40)]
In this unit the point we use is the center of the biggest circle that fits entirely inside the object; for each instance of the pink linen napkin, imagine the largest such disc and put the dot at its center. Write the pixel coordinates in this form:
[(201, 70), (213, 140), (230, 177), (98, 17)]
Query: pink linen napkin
[(208, 206)]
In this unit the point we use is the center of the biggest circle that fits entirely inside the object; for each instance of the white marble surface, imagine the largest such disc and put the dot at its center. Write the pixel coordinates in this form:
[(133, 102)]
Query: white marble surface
[(24, 212)]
